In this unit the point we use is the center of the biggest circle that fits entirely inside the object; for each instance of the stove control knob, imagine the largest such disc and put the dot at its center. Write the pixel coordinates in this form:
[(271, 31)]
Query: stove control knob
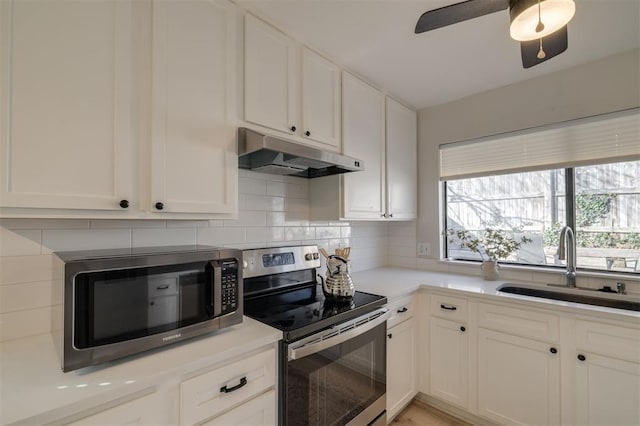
[(315, 256), (308, 257)]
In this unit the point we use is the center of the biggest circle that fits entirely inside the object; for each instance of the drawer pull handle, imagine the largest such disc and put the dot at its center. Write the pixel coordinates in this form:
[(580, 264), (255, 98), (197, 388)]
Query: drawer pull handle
[(162, 287), (448, 308), (403, 310), (225, 389)]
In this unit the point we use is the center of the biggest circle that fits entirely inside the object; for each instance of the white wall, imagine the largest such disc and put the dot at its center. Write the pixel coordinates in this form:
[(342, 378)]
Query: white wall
[(273, 211), (603, 86)]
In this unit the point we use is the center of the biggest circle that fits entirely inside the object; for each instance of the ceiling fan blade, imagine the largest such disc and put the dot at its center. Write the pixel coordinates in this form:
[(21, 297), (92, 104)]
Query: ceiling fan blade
[(553, 45), (458, 12)]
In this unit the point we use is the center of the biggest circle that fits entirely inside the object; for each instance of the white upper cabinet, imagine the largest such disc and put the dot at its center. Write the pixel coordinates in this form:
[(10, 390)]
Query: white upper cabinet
[(66, 113), (402, 166), (320, 100), (269, 77), (289, 88), (363, 138), (193, 151)]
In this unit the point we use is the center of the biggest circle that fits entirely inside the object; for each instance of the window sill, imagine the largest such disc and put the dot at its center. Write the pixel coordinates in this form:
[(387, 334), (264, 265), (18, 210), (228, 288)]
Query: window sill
[(552, 270)]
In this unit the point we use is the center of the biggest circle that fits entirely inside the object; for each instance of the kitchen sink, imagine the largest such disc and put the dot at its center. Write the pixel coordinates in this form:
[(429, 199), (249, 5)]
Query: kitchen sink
[(576, 295)]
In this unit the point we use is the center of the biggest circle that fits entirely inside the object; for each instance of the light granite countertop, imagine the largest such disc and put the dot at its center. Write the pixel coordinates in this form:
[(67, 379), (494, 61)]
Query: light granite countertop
[(397, 282)]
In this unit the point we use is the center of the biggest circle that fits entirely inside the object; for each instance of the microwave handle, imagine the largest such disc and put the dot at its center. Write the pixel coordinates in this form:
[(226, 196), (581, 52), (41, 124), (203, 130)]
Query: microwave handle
[(216, 288)]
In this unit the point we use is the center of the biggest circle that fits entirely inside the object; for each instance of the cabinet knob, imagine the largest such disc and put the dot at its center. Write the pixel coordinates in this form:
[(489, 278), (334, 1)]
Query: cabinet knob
[(553, 350), (124, 204), (581, 357), (390, 214), (463, 329), (159, 206), (390, 335), (403, 310), (307, 133), (293, 128)]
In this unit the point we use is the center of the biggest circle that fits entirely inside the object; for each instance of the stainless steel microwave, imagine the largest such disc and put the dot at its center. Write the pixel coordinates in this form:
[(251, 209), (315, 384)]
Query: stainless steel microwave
[(113, 303)]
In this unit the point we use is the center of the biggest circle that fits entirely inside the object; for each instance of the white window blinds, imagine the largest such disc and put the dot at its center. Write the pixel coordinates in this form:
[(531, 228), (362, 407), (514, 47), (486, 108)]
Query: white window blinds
[(604, 138)]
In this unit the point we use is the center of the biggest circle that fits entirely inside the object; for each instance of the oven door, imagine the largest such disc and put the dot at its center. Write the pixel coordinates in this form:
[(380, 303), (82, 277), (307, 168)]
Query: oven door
[(338, 376)]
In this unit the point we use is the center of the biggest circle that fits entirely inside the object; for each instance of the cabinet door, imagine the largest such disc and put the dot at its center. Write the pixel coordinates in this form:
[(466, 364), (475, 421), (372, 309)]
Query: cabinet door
[(149, 410), (193, 158), (363, 138), (66, 90), (448, 361), (260, 411), (518, 380), (401, 366), (402, 167), (269, 77), (320, 100), (607, 391)]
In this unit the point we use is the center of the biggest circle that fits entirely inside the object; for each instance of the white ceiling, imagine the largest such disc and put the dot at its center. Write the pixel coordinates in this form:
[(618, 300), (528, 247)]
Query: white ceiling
[(375, 39)]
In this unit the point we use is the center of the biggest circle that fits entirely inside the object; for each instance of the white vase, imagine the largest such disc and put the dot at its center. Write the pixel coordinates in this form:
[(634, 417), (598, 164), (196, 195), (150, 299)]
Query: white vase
[(490, 270)]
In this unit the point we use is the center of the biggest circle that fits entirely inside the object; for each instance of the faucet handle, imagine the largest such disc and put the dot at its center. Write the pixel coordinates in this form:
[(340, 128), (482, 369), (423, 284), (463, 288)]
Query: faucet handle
[(621, 288)]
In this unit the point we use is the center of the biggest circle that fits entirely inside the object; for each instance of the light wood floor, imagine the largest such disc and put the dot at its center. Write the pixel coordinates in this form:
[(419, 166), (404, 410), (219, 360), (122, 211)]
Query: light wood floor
[(418, 414)]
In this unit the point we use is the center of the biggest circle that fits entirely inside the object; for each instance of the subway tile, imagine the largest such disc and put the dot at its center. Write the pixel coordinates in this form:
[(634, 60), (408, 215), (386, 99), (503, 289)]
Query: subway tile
[(163, 237), (409, 252), (84, 239), (248, 218), (266, 203), (44, 223), (345, 231), (283, 189), (31, 322), (216, 223), (126, 224), (267, 235), (260, 176), (252, 186), (20, 242), (24, 269), (324, 232), (220, 236), (276, 219), (187, 224), (18, 297), (299, 233)]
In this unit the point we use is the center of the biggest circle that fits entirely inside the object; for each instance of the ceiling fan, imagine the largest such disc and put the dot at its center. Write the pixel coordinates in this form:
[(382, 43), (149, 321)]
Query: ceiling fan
[(539, 25)]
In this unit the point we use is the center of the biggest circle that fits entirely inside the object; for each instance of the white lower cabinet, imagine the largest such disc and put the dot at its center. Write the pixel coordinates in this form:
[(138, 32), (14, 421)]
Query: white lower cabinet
[(210, 394), (402, 354), (518, 379), (401, 366), (607, 374), (260, 411), (449, 361), (148, 410)]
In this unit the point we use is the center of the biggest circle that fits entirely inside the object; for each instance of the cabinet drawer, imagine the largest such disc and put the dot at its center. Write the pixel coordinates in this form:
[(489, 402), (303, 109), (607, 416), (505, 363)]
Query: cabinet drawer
[(260, 411), (204, 396), (606, 339), (401, 310), (519, 322), (447, 307)]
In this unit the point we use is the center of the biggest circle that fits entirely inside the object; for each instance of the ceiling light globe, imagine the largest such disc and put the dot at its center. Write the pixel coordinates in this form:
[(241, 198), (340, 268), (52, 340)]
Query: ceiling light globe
[(554, 14)]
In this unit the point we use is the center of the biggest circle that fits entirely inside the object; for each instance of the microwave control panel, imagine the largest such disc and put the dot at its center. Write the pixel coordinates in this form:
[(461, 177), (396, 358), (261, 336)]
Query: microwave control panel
[(229, 286)]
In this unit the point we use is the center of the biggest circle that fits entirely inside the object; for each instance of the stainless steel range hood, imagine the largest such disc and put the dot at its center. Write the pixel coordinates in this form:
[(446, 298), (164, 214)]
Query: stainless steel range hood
[(269, 154)]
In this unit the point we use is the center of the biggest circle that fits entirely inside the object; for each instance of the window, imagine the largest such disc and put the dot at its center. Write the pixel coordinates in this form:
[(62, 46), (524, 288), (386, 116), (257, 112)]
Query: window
[(533, 204), (583, 173)]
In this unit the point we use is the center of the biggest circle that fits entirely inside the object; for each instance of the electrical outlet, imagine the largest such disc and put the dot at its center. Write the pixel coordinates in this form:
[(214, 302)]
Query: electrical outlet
[(424, 249)]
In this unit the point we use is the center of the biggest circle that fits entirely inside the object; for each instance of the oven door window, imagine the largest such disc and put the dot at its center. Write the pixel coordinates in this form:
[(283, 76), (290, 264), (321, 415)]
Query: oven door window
[(115, 306), (335, 385)]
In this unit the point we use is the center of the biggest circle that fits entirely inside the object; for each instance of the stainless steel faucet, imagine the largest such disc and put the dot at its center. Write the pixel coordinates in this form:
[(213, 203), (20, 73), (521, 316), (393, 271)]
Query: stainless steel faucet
[(568, 244)]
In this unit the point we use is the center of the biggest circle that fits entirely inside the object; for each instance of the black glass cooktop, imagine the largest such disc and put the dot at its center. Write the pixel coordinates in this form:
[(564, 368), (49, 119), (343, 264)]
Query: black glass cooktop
[(304, 311)]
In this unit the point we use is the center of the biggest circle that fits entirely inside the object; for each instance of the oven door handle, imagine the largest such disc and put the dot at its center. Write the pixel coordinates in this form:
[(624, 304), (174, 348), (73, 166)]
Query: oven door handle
[(301, 349)]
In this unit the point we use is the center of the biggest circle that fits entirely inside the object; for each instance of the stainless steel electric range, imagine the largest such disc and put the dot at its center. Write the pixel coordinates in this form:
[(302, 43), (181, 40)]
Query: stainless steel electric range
[(333, 354)]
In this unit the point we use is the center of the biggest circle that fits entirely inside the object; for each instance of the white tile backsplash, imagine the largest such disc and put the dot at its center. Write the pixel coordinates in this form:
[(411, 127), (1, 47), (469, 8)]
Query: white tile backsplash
[(273, 211)]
